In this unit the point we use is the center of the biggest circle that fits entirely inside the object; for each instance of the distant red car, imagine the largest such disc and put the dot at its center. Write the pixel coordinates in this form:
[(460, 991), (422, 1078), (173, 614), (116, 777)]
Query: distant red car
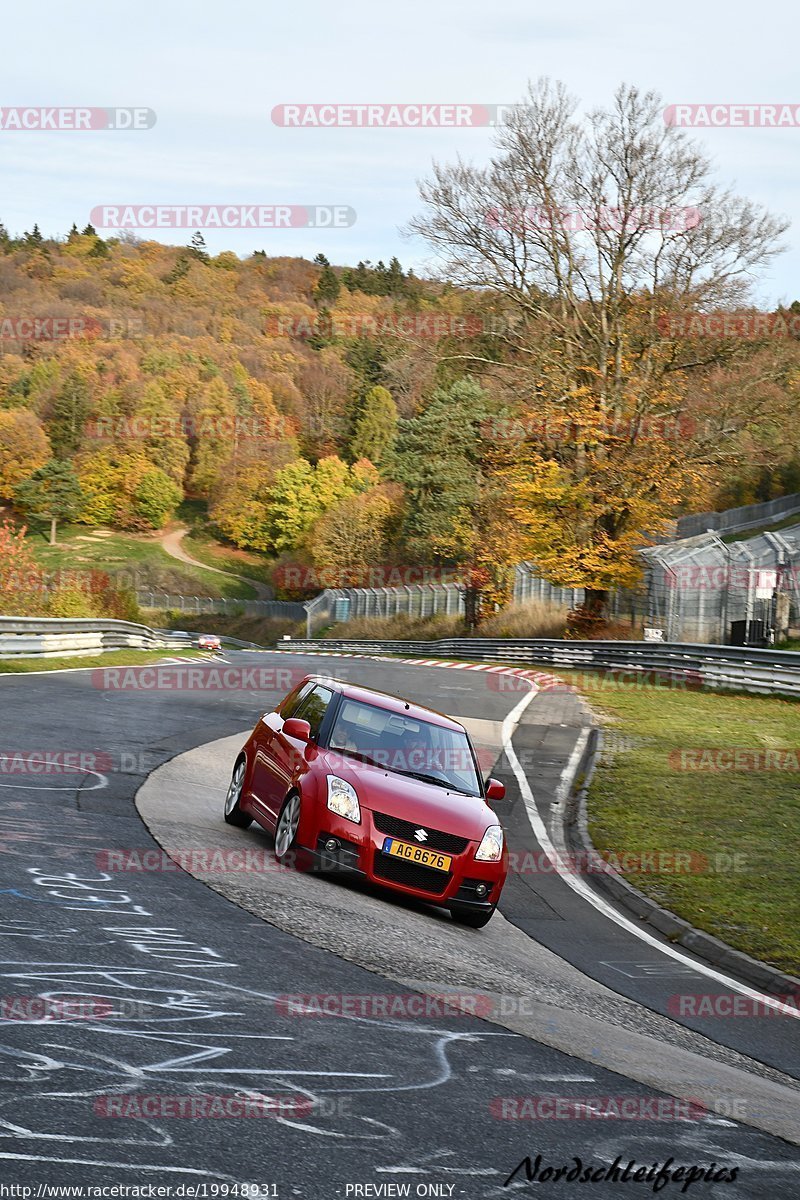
[(353, 779), (209, 641)]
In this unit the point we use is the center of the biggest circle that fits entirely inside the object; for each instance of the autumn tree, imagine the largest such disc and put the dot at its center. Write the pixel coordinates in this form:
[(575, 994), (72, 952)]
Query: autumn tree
[(240, 502), (593, 234), (155, 498), (23, 448), (52, 493), (122, 487), (301, 493), (22, 585), (327, 386), (212, 419), (353, 536)]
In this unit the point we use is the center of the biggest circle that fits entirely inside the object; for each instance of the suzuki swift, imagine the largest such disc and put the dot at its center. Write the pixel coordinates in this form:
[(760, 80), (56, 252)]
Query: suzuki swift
[(348, 778)]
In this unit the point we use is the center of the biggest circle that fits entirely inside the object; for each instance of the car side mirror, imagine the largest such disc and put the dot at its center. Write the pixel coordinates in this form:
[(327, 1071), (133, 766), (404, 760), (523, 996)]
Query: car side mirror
[(296, 727), (495, 790)]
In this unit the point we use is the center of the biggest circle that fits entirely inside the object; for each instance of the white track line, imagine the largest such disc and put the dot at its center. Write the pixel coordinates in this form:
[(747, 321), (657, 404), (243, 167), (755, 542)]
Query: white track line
[(585, 892)]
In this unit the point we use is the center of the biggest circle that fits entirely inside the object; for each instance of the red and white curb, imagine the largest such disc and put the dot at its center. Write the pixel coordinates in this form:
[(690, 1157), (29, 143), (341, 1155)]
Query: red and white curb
[(540, 680)]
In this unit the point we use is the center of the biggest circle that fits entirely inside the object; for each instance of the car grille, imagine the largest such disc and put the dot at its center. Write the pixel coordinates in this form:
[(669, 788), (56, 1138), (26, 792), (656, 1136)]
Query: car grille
[(448, 843), (412, 875)]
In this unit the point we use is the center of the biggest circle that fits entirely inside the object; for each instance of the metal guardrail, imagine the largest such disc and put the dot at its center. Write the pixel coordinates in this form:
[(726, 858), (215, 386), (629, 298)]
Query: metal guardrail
[(768, 672), (23, 637)]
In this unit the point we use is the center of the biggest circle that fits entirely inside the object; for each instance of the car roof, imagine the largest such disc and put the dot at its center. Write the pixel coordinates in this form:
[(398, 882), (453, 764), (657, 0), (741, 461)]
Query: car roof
[(389, 702)]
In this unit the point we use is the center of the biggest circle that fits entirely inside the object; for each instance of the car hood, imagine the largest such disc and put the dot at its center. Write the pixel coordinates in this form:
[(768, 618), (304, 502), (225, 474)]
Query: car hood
[(412, 799)]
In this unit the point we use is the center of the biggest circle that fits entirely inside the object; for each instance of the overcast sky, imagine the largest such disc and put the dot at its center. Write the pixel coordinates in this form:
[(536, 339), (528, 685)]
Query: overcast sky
[(214, 72)]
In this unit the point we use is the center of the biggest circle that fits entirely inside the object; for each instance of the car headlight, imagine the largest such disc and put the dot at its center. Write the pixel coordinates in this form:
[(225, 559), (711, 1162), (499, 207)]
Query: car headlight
[(491, 847), (342, 799)]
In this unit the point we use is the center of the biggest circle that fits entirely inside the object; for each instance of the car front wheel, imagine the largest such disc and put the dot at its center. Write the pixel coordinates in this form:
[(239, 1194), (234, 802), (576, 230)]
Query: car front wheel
[(288, 824), (233, 812)]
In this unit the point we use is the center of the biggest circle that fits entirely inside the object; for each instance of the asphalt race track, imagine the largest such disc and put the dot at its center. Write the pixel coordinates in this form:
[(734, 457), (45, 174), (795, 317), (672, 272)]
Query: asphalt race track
[(182, 987)]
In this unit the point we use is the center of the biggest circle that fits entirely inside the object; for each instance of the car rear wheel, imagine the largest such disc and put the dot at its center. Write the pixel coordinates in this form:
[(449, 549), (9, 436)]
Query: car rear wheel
[(475, 920), (288, 824), (233, 807)]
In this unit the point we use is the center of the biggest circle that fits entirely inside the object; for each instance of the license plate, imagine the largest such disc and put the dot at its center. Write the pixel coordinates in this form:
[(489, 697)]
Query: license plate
[(416, 854)]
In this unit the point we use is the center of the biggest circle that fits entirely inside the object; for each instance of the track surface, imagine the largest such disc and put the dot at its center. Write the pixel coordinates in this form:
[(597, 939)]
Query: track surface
[(189, 981)]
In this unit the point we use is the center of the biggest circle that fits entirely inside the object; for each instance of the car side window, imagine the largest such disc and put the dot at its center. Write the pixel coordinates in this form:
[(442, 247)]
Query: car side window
[(313, 708), (294, 699)]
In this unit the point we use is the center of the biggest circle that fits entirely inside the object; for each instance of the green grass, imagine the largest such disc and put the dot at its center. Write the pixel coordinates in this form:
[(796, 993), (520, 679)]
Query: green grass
[(135, 561), (202, 543), (111, 658), (643, 800)]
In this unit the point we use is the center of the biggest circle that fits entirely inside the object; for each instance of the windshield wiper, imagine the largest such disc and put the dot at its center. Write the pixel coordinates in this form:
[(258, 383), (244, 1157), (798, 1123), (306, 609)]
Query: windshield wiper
[(365, 758), (445, 783)]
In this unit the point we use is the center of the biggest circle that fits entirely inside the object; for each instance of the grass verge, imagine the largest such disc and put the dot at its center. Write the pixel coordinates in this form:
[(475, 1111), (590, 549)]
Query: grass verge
[(111, 658), (202, 543), (135, 561), (654, 791)]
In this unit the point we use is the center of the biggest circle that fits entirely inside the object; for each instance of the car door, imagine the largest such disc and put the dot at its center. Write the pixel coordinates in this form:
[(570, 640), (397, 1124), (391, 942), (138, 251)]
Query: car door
[(262, 785), (287, 756)]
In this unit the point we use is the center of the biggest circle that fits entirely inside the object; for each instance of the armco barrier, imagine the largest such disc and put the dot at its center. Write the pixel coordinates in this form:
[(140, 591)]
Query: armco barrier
[(23, 637), (770, 672)]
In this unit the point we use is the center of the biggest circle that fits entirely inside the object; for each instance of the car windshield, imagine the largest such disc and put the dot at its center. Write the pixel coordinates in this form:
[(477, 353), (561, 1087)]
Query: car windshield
[(406, 745)]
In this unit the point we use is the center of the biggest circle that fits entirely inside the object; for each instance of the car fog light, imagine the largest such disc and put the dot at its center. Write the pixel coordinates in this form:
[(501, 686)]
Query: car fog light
[(480, 890), (331, 845)]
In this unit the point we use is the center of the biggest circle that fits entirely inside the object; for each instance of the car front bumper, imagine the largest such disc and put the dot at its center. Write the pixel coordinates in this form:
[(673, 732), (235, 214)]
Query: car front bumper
[(359, 851)]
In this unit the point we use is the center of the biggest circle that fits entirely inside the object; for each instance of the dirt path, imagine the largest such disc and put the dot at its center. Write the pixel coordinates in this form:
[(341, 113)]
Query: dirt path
[(171, 542)]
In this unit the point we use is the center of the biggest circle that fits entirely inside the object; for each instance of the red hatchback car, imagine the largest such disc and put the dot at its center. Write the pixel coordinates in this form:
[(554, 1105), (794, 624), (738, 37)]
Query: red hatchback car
[(348, 778)]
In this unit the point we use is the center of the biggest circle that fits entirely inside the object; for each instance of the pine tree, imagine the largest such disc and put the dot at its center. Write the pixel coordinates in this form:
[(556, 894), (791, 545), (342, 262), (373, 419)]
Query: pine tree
[(328, 287), (52, 493), (68, 417), (197, 247)]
